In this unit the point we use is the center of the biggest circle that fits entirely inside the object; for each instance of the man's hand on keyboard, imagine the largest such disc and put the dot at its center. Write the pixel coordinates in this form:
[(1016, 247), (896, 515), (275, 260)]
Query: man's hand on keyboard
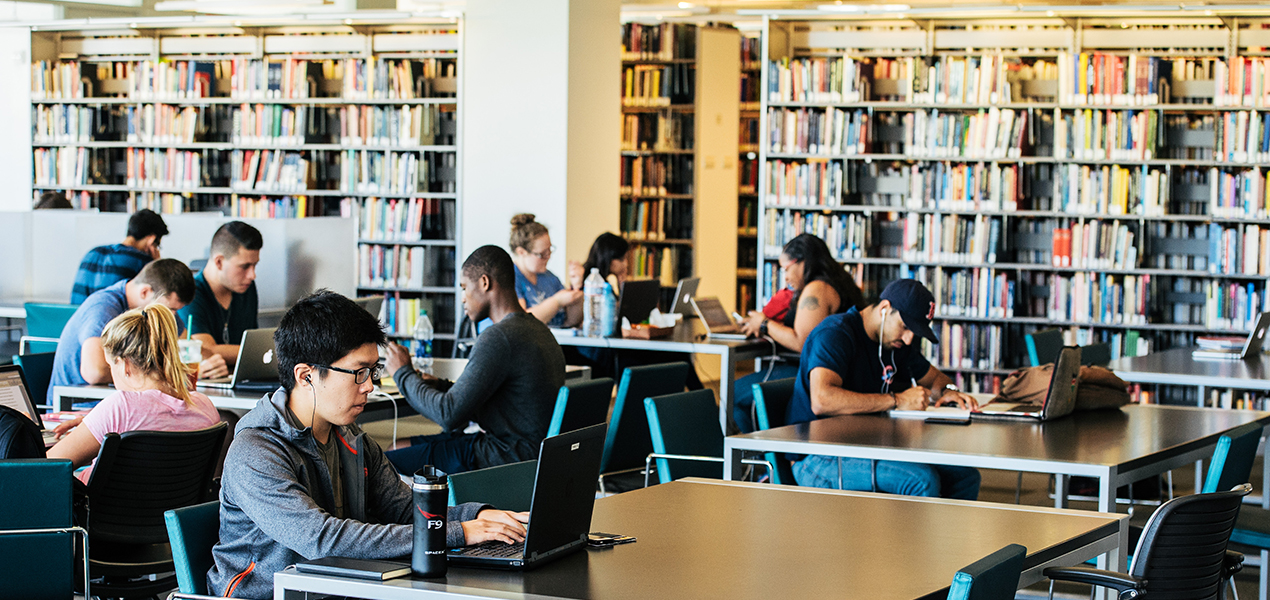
[(500, 525), (65, 426)]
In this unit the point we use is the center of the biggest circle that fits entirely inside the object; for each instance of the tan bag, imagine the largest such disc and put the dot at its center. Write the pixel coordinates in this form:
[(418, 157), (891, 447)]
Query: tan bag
[(1099, 387)]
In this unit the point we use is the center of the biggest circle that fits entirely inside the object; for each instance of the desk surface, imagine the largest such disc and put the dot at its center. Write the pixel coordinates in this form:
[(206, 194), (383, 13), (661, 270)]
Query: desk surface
[(688, 336), (1124, 439), (705, 539), (1177, 367)]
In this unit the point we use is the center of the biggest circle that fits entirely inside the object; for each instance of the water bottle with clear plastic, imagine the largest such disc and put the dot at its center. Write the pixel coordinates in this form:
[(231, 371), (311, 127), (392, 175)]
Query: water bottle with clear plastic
[(608, 312), (422, 335), (593, 304)]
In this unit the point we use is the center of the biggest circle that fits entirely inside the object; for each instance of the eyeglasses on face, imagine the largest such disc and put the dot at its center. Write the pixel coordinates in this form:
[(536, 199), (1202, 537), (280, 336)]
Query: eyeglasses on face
[(360, 375), (545, 253)]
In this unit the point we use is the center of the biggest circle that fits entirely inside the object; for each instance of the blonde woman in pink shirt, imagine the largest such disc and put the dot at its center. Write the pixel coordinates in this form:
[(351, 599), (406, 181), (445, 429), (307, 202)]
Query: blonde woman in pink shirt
[(153, 388)]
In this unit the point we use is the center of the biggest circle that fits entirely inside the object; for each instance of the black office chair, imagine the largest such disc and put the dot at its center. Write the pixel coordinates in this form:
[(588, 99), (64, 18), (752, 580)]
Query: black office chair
[(627, 442), (137, 477), (771, 400), (581, 403), (1182, 553)]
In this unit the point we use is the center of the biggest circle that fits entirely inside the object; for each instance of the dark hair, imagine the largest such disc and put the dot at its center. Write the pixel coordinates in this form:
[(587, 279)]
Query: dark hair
[(524, 231), (233, 236), (52, 200), (321, 329), (168, 276), (145, 223), (819, 265), (493, 262), (606, 249)]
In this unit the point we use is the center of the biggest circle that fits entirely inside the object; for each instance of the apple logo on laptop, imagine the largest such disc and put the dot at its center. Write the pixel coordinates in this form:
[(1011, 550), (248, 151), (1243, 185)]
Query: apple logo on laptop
[(268, 357)]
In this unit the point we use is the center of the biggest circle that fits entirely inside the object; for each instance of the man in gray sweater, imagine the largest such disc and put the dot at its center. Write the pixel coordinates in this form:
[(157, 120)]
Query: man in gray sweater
[(302, 481), (508, 388)]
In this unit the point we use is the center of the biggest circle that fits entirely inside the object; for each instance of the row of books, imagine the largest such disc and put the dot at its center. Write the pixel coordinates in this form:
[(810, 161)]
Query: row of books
[(1243, 136), (62, 123), (1107, 135), (1239, 250), (983, 292), (747, 175), (1244, 193), (661, 219), (399, 314), (1230, 305), (401, 220), (286, 207), (656, 175), (966, 346), (976, 383), (167, 168), (404, 126), (994, 133), (1095, 244), (664, 41), (169, 203), (61, 166), (268, 171), (1111, 189), (656, 262), (847, 235), (658, 85), (657, 131), (950, 238), (383, 266), (1099, 298), (818, 131)]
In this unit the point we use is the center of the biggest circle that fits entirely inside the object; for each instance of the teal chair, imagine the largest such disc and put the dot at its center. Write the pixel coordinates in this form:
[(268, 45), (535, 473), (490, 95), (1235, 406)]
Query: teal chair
[(993, 577), (627, 443), (771, 400), (1043, 346), (1232, 465), (581, 403), (192, 531), (508, 487), (36, 531), (44, 323), (687, 441), (38, 371)]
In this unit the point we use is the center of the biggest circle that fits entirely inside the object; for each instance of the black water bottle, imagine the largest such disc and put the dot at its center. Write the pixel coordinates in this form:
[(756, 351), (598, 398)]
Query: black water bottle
[(431, 497)]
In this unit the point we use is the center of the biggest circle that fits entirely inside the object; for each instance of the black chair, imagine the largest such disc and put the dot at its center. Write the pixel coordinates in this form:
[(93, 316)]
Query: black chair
[(509, 486), (1181, 555), (36, 533), (771, 400), (581, 403), (627, 442), (137, 477), (993, 577)]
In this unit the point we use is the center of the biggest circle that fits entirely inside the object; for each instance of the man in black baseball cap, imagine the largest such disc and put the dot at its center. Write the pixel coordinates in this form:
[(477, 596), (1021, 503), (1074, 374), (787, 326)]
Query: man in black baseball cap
[(868, 361)]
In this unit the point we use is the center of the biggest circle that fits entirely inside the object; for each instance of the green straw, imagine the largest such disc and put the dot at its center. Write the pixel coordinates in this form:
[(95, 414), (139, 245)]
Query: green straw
[(189, 325)]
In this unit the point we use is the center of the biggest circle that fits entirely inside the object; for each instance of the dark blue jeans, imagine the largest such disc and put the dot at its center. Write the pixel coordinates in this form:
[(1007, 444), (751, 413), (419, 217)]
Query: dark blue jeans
[(903, 478), (450, 452)]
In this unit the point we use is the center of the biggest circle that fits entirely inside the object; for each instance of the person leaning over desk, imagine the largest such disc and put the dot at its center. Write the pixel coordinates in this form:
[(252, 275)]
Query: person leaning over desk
[(302, 481), (869, 361)]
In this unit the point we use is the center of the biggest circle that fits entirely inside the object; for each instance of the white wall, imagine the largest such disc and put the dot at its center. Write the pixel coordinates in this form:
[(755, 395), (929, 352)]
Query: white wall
[(15, 127), (541, 120)]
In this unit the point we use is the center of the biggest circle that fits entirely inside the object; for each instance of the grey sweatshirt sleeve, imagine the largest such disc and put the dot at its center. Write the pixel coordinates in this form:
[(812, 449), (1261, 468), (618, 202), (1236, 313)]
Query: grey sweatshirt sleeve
[(452, 409)]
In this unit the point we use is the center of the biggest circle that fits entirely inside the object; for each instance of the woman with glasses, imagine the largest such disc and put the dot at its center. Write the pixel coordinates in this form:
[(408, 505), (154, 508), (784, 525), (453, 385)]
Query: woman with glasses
[(541, 293), (154, 391)]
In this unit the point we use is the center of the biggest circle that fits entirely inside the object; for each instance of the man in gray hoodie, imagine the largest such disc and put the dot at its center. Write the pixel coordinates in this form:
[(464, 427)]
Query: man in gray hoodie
[(302, 481)]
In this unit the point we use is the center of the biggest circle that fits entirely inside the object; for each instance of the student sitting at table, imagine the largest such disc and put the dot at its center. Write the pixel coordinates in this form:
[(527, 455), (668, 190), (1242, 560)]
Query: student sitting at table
[(869, 361), (153, 387), (302, 481), (225, 302), (104, 266), (509, 386), (80, 359), (820, 287), (539, 290)]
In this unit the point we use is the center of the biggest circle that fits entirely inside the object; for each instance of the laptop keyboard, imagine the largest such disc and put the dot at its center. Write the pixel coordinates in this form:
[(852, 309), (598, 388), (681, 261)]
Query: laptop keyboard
[(495, 549)]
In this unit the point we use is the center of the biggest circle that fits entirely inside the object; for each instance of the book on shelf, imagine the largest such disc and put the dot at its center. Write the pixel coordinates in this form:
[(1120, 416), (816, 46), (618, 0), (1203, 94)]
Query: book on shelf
[(401, 219), (284, 207), (1231, 305), (398, 314), (184, 202), (384, 266), (980, 292), (663, 41), (654, 220), (658, 85), (658, 262), (656, 175), (657, 131), (966, 346), (1095, 244), (1112, 189), (1099, 298), (1238, 194), (268, 171), (1088, 134), (950, 238), (164, 168), (848, 235)]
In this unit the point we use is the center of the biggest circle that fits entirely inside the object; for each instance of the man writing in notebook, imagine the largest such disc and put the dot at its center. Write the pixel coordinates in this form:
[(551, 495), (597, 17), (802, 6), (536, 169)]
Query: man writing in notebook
[(302, 481), (225, 302), (509, 386), (868, 361)]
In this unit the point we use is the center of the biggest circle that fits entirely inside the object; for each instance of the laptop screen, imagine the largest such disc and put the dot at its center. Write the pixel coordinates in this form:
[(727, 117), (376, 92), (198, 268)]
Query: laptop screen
[(713, 314), (14, 394)]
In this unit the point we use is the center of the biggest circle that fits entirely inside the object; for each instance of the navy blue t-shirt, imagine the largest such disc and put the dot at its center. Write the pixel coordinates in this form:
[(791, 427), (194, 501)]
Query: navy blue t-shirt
[(840, 344)]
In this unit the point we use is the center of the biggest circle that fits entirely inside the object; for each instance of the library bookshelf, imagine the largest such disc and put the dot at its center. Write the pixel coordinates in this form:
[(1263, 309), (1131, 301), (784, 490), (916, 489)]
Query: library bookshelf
[(357, 117), (747, 171), (679, 166), (1106, 176)]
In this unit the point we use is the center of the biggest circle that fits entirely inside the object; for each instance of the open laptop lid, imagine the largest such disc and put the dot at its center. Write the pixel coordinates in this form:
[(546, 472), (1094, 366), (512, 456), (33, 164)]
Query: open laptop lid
[(1257, 338), (255, 357), (713, 316), (684, 293), (15, 394), (564, 491), (639, 298), (1060, 401)]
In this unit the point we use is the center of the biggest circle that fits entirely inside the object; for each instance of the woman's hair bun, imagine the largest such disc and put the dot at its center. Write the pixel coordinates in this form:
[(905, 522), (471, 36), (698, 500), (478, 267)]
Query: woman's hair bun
[(522, 220)]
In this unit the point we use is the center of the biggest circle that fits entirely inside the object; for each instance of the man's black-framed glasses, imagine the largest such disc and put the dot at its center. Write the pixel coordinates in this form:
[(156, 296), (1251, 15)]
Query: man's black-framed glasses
[(360, 376)]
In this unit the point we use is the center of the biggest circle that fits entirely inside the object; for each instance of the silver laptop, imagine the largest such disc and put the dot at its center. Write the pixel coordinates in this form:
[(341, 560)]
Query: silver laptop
[(684, 293), (718, 323), (15, 394), (255, 367), (1060, 399), (1252, 346)]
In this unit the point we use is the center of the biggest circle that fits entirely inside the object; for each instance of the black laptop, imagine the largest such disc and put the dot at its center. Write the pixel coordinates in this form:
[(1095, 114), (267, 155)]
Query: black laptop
[(564, 495), (16, 394), (639, 298)]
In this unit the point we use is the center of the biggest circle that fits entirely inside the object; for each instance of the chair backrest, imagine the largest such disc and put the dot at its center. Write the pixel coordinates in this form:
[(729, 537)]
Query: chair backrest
[(1232, 460), (509, 487), (686, 423), (771, 400), (627, 443), (19, 435), (1183, 546), (1095, 354), (38, 370), (141, 474), (993, 577), (192, 531), (36, 494), (1043, 346), (581, 403), (44, 324)]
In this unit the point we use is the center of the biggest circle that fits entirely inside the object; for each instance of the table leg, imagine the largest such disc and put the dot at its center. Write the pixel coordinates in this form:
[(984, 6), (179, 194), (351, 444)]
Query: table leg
[(727, 384), (1199, 464), (732, 465), (1060, 490)]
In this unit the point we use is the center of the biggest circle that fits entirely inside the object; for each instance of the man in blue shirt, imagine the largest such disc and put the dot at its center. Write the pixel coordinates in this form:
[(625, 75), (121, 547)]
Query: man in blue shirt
[(225, 302), (80, 359), (867, 361), (104, 266)]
